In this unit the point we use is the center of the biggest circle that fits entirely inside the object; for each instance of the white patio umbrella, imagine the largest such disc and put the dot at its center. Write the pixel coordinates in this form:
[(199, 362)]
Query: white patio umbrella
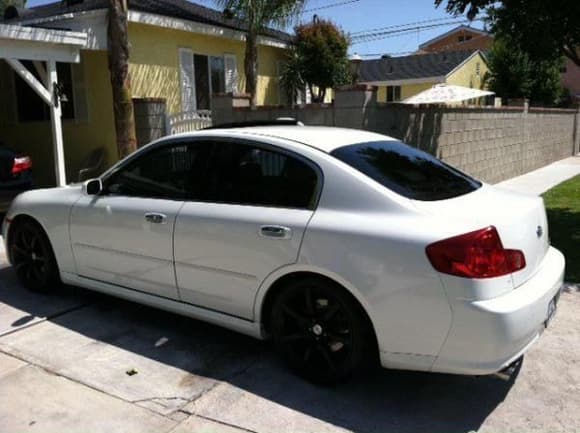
[(445, 94)]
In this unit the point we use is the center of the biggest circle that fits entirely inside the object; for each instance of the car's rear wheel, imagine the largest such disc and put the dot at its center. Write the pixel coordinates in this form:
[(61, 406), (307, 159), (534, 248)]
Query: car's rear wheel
[(32, 257), (319, 330)]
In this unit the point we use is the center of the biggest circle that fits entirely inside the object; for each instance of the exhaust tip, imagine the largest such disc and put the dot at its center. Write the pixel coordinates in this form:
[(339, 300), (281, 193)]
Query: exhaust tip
[(511, 371)]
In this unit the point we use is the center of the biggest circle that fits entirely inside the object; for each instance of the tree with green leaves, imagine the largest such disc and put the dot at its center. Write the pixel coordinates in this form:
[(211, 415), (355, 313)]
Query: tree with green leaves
[(543, 29), (291, 76), (5, 3), (513, 74), (322, 48), (258, 15)]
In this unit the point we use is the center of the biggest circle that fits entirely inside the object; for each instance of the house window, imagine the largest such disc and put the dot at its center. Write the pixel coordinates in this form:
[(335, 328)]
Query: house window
[(393, 93), (30, 107), (203, 76), (464, 38)]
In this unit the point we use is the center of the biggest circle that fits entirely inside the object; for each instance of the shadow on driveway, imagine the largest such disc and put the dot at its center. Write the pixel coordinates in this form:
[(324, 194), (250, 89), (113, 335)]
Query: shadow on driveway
[(376, 401)]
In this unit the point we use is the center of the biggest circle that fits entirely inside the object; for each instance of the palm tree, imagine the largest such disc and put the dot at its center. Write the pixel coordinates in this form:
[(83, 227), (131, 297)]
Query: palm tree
[(118, 45), (259, 14)]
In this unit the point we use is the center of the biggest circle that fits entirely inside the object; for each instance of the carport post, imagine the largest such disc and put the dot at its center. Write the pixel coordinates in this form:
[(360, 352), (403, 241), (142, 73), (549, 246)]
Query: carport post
[(56, 124)]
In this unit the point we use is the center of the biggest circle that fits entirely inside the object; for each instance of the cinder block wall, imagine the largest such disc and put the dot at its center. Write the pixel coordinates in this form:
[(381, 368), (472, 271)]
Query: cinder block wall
[(491, 144)]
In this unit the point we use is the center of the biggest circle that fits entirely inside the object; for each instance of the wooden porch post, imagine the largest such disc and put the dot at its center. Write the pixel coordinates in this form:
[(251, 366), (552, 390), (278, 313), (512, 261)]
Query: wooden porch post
[(56, 124)]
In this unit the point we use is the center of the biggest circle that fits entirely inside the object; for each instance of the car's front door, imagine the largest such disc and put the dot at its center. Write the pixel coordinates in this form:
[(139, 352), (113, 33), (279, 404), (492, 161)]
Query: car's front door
[(259, 201), (124, 235)]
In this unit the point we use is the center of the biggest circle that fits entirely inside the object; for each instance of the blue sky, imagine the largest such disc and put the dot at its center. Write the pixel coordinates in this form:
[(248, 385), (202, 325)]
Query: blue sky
[(369, 14)]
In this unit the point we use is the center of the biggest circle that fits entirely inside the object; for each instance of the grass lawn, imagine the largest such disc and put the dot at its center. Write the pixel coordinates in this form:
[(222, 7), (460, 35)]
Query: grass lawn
[(563, 207)]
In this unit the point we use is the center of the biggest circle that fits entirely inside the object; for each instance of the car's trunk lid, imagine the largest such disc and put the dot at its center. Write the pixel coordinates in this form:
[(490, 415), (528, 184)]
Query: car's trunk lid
[(519, 219)]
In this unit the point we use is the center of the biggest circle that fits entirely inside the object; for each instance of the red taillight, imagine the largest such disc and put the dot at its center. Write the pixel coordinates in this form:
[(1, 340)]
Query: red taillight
[(21, 164), (478, 254)]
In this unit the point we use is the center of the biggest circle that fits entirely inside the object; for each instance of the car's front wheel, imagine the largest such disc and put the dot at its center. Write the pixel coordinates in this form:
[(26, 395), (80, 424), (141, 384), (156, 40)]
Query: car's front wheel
[(32, 256), (320, 330)]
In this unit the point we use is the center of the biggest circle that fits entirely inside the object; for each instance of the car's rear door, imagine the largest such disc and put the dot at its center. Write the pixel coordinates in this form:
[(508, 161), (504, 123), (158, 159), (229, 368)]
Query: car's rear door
[(124, 236), (259, 201)]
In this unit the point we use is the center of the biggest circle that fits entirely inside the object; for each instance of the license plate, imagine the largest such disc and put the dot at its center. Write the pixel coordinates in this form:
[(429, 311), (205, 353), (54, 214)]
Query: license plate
[(552, 308)]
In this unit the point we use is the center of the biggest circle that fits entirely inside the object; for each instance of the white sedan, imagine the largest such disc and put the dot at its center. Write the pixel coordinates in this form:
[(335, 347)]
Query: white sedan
[(342, 245)]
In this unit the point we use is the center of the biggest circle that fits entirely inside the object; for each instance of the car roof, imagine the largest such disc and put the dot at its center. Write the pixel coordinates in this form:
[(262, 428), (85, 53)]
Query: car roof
[(323, 138)]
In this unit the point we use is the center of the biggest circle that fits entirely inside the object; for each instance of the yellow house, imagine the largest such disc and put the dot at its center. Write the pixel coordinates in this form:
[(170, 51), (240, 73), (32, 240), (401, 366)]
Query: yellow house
[(399, 78), (179, 51)]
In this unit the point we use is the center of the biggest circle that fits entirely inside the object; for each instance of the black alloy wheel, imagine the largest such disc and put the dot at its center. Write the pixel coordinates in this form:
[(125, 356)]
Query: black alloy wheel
[(32, 257), (319, 330)]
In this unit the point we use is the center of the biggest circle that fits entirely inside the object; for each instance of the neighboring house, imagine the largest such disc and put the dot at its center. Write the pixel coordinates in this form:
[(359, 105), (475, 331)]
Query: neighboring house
[(180, 51), (469, 38), (460, 38), (399, 78), (571, 79)]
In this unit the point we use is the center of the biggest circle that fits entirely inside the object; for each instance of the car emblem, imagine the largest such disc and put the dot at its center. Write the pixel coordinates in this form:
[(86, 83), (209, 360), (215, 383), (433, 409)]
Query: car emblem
[(539, 231)]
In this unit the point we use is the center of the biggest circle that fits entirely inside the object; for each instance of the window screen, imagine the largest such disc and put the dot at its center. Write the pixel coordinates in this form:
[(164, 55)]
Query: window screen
[(407, 171), (250, 175)]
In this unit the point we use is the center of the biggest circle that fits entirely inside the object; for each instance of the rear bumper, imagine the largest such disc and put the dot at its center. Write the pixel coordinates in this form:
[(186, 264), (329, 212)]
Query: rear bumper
[(486, 336)]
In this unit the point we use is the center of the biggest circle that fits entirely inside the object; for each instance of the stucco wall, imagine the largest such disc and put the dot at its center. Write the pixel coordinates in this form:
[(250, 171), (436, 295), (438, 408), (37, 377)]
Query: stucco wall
[(154, 62), (468, 75)]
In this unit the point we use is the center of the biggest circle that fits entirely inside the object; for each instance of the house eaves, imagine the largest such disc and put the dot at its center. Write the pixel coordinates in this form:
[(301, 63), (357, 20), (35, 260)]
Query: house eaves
[(175, 14)]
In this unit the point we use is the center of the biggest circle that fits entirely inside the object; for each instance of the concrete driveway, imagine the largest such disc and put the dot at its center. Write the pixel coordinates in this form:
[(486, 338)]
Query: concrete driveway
[(76, 361)]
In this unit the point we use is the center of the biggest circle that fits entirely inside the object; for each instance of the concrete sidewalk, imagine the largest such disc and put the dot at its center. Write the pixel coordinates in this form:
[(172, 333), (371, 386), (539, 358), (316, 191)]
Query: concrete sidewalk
[(541, 180)]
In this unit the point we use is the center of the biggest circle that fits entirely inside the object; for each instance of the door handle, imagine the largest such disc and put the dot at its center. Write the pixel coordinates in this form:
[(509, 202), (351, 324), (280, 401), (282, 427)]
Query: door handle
[(155, 218), (278, 232)]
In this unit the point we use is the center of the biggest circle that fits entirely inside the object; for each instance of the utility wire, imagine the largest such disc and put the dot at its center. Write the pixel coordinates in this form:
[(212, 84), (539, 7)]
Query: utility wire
[(394, 26), (418, 52), (332, 5), (373, 36)]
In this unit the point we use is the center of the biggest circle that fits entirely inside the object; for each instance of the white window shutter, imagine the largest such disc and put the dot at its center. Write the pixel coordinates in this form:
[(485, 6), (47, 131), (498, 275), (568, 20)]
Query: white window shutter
[(187, 72), (231, 69), (79, 92)]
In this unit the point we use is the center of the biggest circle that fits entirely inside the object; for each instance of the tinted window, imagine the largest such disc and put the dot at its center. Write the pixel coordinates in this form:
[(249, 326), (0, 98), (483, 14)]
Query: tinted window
[(171, 172), (246, 174), (406, 170)]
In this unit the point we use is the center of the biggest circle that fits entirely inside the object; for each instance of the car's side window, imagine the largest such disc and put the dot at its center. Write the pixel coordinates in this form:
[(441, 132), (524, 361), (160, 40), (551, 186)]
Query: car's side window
[(173, 172), (255, 175)]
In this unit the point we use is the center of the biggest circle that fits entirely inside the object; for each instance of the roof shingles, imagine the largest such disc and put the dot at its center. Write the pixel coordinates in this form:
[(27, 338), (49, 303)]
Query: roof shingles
[(182, 9), (411, 67)]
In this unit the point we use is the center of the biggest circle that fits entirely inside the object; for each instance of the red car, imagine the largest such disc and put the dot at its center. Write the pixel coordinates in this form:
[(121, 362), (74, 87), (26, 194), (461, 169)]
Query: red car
[(15, 175)]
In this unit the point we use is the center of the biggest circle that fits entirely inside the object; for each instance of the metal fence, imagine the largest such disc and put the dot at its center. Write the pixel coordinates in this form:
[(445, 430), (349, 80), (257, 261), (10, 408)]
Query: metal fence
[(188, 121)]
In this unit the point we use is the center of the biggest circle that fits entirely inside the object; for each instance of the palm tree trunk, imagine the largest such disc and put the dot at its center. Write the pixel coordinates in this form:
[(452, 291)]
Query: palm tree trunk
[(251, 67), (118, 43)]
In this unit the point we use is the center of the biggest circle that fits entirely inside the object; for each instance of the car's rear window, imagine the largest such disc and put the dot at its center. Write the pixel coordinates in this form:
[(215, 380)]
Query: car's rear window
[(407, 171)]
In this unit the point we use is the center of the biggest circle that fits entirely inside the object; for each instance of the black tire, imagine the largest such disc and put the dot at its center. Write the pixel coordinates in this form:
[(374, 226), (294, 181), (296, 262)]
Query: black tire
[(32, 257), (320, 330)]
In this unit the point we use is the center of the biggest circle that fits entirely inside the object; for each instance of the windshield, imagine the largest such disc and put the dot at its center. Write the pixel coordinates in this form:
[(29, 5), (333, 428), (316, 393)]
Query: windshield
[(407, 171)]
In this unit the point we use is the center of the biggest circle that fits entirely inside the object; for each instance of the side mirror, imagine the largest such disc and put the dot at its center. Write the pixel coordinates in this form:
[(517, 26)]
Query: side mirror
[(93, 186)]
